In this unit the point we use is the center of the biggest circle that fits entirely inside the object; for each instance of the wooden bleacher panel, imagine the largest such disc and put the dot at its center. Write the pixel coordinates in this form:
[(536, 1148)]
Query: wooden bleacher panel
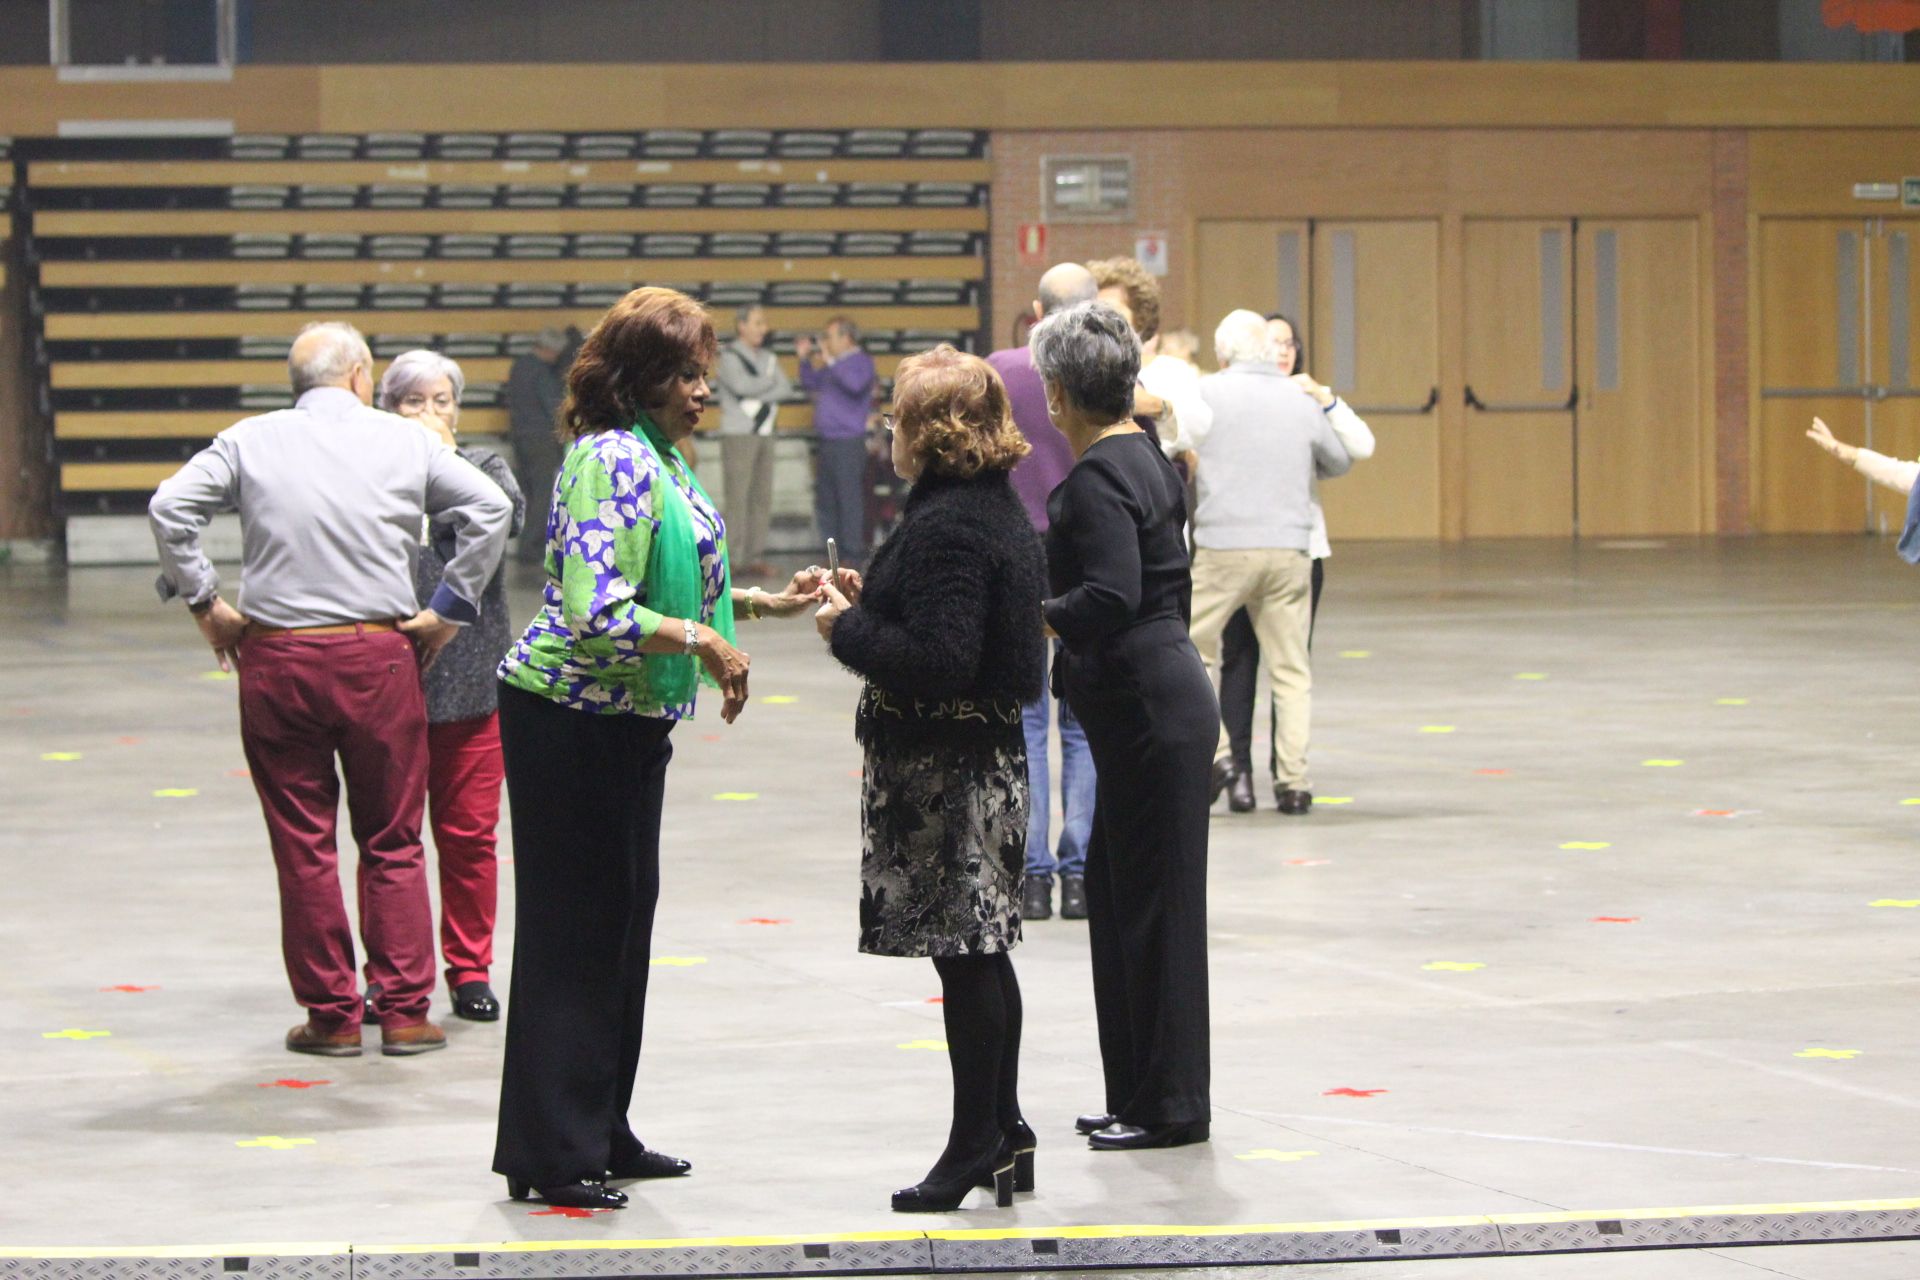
[(166, 289)]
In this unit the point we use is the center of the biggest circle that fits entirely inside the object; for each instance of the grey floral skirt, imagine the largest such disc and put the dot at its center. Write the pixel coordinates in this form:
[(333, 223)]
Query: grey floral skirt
[(944, 842)]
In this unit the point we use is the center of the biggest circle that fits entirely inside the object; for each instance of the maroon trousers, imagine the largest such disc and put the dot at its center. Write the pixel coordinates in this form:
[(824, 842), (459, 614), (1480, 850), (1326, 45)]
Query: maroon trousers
[(304, 700), (463, 799)]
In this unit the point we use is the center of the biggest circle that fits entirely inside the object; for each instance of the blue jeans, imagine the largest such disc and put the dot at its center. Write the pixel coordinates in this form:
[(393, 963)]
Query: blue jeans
[(1076, 787)]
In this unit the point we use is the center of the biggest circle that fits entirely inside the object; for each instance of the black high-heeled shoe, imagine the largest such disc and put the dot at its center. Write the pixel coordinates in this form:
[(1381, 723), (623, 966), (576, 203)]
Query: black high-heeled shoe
[(584, 1194), (1018, 1146), (651, 1164), (945, 1196)]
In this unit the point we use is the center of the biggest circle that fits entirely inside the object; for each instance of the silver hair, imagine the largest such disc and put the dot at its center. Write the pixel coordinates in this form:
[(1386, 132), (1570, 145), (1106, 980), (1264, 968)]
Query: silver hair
[(1242, 338), (1092, 354), (412, 370), (551, 339), (331, 361)]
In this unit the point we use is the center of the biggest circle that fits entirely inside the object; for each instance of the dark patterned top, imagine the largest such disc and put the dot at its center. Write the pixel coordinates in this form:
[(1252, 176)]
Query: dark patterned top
[(461, 684)]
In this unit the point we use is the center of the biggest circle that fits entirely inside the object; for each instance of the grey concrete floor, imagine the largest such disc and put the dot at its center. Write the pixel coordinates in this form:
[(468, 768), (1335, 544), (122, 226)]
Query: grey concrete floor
[(1597, 917)]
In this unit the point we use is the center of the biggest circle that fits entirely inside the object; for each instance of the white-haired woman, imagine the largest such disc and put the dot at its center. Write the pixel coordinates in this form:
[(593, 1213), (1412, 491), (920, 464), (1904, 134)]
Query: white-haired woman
[(1253, 530), (464, 769), (1119, 590)]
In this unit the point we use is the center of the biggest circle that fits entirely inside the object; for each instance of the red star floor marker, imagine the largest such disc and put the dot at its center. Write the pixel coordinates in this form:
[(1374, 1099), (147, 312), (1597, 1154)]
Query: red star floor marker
[(129, 988), (762, 920), (1615, 920), (565, 1211), (238, 773), (936, 999), (1491, 773), (129, 741), (1352, 1093), (292, 1084), (709, 737), (1309, 862)]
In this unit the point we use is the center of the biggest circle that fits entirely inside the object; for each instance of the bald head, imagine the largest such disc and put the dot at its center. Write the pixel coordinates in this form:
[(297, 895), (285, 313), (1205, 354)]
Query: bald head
[(331, 354), (1064, 286)]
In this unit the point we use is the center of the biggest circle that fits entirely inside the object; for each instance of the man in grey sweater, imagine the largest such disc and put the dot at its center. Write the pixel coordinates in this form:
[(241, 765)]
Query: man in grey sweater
[(329, 637), (752, 385), (1252, 528)]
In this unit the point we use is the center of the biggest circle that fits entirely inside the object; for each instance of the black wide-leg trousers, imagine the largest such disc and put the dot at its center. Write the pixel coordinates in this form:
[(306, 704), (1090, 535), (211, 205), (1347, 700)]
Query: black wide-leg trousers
[(586, 792), (1152, 724)]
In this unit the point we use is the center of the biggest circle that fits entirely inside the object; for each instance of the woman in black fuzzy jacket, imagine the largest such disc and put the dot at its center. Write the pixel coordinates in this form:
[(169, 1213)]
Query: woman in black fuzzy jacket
[(946, 630)]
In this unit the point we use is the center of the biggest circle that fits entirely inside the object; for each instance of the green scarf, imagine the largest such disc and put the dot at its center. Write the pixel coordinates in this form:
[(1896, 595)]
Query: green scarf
[(675, 586)]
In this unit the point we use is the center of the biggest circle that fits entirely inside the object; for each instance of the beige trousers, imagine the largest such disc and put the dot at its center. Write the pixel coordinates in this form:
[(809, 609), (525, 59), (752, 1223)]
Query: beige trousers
[(746, 464), (1276, 588)]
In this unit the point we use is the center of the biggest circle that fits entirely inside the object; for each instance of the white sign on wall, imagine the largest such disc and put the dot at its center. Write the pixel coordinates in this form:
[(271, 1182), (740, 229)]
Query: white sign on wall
[(1150, 247)]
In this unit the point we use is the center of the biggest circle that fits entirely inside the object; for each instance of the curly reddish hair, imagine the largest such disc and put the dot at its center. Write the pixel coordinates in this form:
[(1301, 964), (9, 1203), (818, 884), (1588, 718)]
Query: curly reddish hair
[(1143, 291), (957, 410), (643, 342)]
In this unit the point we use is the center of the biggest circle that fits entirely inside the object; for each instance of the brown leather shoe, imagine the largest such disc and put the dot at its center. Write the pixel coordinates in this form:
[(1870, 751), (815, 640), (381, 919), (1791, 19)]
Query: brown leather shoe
[(307, 1038), (421, 1037)]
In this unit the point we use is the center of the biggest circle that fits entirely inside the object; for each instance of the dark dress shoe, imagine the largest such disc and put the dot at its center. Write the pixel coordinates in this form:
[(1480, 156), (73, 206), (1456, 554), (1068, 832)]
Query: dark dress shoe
[(1240, 792), (307, 1038), (650, 1164), (476, 1002), (1036, 898), (584, 1194), (1093, 1123), (1132, 1137), (1292, 803), (1073, 897)]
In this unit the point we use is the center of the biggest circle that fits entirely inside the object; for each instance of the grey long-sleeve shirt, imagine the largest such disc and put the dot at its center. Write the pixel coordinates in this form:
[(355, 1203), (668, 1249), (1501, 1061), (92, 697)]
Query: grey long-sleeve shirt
[(1258, 458), (331, 495), (748, 373)]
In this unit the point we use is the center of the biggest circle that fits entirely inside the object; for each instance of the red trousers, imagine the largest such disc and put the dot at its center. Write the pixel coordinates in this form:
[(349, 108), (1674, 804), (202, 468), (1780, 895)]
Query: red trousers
[(304, 700), (463, 797)]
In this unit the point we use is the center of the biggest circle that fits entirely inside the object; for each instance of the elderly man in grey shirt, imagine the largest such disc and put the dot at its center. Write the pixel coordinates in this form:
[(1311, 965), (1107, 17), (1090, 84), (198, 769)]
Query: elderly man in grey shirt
[(752, 385), (329, 639), (1252, 528)]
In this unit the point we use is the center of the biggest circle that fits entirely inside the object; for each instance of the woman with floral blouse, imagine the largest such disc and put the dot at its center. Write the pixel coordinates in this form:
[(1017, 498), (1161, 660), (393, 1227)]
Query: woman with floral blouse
[(636, 612)]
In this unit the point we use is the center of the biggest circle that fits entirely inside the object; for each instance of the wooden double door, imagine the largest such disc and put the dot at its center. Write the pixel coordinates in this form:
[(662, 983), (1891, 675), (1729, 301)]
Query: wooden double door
[(1837, 298), (1576, 374)]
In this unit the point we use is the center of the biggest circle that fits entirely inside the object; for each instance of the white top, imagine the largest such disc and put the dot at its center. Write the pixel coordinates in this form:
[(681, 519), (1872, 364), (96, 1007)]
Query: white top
[(1188, 417), (1891, 472), (1357, 436)]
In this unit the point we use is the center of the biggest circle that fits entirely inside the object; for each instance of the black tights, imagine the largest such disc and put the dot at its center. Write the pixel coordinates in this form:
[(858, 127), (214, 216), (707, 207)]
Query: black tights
[(981, 1003)]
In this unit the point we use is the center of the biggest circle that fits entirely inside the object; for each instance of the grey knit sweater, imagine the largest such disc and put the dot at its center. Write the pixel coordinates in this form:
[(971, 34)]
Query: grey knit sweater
[(462, 684)]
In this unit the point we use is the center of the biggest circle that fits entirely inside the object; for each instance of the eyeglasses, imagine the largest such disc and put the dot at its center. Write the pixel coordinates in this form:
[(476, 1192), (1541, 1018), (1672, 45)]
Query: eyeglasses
[(419, 402), (1288, 344)]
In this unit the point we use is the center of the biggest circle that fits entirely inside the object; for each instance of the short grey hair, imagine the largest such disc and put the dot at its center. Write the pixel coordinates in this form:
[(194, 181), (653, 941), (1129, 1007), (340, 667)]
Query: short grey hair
[(331, 361), (1092, 354), (744, 313), (847, 325), (1242, 338), (551, 339), (412, 370)]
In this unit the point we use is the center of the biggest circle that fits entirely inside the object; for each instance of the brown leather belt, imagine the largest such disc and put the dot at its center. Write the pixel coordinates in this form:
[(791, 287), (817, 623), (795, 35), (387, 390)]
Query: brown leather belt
[(254, 629)]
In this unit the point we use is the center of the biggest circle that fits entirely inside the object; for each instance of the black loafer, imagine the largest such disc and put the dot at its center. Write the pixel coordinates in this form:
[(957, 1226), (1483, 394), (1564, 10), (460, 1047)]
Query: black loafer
[(584, 1194), (1132, 1137), (651, 1164), (1093, 1123), (1291, 802), (476, 1002)]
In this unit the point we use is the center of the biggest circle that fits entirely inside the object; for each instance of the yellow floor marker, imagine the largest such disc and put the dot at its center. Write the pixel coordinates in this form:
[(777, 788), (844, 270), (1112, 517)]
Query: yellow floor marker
[(1268, 1153), (73, 1033), (678, 962), (779, 699), (1661, 764), (176, 793), (1895, 902), (939, 1046), (1839, 1054), (1436, 728), (216, 675), (1587, 844), (62, 757), (1452, 966), (736, 795), (274, 1142), (1729, 702), (1356, 653), (1530, 675), (1333, 799)]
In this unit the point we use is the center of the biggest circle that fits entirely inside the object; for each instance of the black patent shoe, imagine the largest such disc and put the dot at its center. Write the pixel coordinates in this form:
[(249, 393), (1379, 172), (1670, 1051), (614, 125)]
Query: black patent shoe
[(1073, 897), (1036, 898), (1240, 791), (476, 1002), (1133, 1137), (584, 1194), (651, 1164), (1224, 772), (1093, 1123), (944, 1195)]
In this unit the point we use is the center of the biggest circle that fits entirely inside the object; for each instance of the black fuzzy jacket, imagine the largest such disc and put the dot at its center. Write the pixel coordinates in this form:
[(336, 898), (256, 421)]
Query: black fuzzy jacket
[(950, 611)]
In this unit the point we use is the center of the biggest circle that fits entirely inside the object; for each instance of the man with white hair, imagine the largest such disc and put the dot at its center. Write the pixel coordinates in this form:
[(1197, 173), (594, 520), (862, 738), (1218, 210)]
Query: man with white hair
[(329, 639), (1252, 530)]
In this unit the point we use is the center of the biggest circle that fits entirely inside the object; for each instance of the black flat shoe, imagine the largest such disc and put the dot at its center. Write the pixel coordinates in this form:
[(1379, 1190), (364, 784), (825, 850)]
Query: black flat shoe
[(1132, 1137), (651, 1164), (944, 1195), (476, 1002), (1093, 1123), (1292, 802), (1240, 792), (1036, 898), (584, 1194)]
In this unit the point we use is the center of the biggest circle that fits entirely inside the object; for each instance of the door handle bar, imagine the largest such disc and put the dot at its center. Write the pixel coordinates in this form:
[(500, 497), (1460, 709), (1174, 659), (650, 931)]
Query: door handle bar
[(1475, 402), (1426, 406)]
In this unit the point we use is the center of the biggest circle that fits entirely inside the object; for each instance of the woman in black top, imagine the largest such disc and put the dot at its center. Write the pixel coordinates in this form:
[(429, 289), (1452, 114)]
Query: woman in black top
[(946, 630), (1117, 560)]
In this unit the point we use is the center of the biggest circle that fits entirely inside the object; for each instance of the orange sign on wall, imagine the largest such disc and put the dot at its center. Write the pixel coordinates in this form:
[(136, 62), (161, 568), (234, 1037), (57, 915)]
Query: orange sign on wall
[(1032, 239), (1873, 17)]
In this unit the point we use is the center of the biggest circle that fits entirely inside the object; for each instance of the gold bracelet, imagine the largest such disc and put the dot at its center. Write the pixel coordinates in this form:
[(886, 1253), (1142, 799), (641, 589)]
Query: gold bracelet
[(753, 604)]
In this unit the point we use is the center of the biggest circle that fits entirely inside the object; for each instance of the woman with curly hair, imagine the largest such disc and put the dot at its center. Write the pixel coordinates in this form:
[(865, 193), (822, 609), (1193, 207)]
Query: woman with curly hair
[(946, 630)]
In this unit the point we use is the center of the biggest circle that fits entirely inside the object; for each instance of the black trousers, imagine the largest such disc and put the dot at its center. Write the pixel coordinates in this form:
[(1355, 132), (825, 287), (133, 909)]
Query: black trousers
[(1240, 678), (1152, 725), (586, 792)]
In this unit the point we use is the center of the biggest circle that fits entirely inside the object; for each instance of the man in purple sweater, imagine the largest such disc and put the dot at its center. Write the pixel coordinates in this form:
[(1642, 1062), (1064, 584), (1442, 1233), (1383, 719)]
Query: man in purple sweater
[(840, 377), (1036, 476)]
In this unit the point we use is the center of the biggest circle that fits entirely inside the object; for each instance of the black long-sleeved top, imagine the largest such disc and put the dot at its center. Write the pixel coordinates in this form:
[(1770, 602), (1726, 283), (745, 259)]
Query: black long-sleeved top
[(950, 610), (1115, 552)]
